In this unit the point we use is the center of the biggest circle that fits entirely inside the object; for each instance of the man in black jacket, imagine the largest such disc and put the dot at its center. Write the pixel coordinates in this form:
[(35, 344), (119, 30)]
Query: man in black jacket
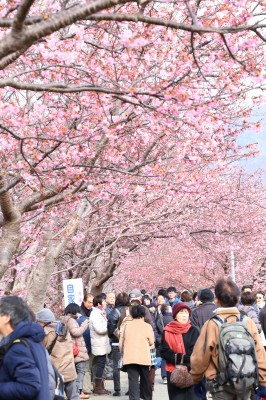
[(205, 310)]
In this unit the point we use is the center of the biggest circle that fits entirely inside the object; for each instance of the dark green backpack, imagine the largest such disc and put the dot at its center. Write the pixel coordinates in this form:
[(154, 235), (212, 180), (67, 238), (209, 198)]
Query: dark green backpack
[(238, 366)]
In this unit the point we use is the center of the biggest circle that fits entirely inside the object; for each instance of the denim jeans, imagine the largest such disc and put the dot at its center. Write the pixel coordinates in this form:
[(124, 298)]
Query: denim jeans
[(71, 390), (80, 369), (116, 371)]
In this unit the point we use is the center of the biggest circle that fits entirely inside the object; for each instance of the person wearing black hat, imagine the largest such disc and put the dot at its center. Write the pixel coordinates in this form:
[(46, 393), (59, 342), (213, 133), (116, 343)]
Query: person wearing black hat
[(205, 310), (178, 340)]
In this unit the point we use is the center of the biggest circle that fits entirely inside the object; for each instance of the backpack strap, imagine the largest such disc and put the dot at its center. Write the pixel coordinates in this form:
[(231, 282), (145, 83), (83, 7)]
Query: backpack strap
[(50, 348), (118, 312), (219, 321)]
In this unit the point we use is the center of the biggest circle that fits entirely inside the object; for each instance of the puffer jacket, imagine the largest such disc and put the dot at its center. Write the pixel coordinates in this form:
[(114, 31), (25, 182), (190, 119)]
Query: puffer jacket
[(62, 352), (112, 322), (100, 343), (76, 332), (23, 367), (251, 313)]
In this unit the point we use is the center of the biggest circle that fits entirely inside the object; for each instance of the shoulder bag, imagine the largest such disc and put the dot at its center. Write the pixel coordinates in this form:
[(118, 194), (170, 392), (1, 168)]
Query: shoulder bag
[(180, 377)]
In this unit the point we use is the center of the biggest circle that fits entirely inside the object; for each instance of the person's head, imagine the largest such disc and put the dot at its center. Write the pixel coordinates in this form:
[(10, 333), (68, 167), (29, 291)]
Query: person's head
[(227, 293), (88, 301), (110, 299), (160, 300), (186, 296), (195, 296), (135, 297), (122, 299), (246, 288), (99, 301), (72, 308), (146, 299), (166, 309), (13, 310), (248, 298), (171, 292), (181, 312), (260, 297), (45, 316), (206, 295), (137, 312), (162, 292)]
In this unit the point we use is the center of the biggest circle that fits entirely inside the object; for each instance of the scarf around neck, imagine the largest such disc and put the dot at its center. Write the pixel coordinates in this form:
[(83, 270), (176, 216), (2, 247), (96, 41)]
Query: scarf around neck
[(174, 337)]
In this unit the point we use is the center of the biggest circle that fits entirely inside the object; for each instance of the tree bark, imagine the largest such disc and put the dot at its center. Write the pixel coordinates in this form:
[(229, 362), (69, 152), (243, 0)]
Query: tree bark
[(41, 275), (11, 233)]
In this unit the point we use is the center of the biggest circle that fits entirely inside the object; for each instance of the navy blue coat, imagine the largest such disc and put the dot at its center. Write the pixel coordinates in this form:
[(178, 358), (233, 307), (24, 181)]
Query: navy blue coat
[(23, 368), (86, 334)]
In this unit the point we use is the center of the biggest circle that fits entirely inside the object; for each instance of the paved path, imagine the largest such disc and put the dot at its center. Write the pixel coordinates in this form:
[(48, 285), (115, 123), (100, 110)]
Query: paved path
[(160, 390)]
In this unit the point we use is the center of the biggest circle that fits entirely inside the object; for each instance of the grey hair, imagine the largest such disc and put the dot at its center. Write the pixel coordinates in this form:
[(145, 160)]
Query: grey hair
[(16, 308)]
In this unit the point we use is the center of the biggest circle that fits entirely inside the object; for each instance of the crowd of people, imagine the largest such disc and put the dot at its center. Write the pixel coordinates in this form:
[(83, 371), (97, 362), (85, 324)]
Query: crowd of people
[(136, 333)]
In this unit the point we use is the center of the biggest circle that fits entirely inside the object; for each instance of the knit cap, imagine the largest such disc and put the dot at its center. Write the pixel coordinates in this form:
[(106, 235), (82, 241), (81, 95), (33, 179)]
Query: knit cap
[(45, 315), (179, 306)]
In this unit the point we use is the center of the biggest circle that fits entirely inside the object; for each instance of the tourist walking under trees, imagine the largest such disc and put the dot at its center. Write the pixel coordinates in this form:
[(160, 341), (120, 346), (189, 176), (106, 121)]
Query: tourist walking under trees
[(100, 344), (121, 302), (227, 380), (23, 366), (136, 340), (177, 344), (72, 313), (59, 346)]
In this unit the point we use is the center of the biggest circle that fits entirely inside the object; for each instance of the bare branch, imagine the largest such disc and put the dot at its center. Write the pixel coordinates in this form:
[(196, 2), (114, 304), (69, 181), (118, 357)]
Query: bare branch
[(20, 17)]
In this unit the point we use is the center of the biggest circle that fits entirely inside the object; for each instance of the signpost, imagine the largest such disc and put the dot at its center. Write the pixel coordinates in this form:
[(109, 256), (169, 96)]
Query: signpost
[(73, 291)]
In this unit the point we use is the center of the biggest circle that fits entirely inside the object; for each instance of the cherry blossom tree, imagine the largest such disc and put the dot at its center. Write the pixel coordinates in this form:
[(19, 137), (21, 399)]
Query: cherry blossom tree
[(115, 98), (229, 218)]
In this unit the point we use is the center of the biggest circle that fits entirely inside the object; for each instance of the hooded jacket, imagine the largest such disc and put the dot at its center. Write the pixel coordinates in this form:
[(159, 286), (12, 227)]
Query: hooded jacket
[(23, 366)]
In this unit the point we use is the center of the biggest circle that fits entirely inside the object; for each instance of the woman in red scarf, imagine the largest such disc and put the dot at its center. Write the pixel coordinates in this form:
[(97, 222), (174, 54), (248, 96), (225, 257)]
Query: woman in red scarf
[(179, 337)]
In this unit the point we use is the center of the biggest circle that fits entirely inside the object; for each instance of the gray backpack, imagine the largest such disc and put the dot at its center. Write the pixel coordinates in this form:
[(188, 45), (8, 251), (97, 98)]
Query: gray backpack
[(238, 366)]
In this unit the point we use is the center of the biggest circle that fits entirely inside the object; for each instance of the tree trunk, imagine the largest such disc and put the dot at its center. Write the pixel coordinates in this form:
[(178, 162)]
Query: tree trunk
[(42, 273), (11, 234)]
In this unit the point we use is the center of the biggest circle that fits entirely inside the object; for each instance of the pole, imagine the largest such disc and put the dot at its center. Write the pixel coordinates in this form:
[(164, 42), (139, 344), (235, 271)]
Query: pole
[(233, 264)]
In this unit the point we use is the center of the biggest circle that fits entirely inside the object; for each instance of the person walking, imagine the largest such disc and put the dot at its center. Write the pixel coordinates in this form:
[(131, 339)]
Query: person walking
[(23, 363), (136, 340), (121, 302), (72, 313), (178, 340), (59, 347), (100, 344), (205, 357)]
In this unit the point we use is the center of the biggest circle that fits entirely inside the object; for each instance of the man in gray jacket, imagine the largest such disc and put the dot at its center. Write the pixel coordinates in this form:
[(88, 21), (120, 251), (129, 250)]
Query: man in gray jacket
[(205, 310)]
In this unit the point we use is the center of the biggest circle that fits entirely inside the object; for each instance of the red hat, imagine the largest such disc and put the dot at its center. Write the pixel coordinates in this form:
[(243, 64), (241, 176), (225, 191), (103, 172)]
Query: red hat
[(180, 306)]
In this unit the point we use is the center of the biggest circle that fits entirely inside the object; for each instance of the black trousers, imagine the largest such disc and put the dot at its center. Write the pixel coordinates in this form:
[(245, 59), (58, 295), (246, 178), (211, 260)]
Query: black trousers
[(98, 365), (135, 373)]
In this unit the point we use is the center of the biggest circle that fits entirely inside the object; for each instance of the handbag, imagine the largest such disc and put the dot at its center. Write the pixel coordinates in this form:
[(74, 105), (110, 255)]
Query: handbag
[(180, 377), (75, 348), (153, 356)]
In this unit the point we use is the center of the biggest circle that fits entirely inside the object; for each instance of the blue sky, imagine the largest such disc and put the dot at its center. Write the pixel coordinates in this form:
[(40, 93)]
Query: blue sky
[(258, 162)]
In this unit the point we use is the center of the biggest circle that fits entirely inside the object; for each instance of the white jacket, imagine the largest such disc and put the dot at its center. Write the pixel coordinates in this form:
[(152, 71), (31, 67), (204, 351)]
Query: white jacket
[(100, 342)]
